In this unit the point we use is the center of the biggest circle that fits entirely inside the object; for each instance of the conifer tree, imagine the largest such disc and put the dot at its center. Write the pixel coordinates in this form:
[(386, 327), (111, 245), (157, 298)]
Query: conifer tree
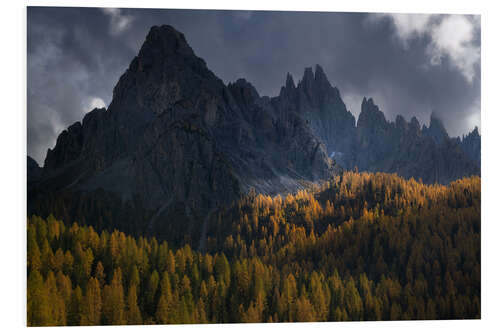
[(92, 303), (38, 301), (113, 309), (163, 313), (133, 312), (75, 307)]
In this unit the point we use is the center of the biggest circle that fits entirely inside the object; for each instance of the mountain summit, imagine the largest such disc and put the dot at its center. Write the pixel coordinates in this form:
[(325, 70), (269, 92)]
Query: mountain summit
[(176, 143)]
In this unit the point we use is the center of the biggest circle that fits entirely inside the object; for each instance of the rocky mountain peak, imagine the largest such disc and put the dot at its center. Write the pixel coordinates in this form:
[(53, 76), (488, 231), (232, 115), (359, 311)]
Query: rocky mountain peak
[(436, 121), (436, 129), (475, 132), (414, 122), (308, 77), (316, 90), (401, 122), (290, 84), (289, 90), (306, 86), (68, 147), (243, 92), (471, 145), (320, 77), (367, 103), (164, 40), (313, 82), (165, 71), (370, 115), (414, 125)]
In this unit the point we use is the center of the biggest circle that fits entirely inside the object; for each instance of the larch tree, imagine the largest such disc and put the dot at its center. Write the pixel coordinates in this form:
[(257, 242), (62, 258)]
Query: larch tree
[(113, 309), (133, 313), (92, 303)]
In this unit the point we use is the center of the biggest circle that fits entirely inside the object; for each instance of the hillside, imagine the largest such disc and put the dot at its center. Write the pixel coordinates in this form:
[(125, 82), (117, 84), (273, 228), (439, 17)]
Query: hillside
[(361, 246)]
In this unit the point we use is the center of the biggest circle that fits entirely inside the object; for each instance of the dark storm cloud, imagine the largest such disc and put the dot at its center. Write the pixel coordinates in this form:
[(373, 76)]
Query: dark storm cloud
[(76, 55)]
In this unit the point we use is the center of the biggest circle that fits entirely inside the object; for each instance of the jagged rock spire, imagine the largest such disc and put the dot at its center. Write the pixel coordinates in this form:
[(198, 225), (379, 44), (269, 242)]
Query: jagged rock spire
[(436, 129), (320, 76), (370, 115), (308, 77), (290, 84)]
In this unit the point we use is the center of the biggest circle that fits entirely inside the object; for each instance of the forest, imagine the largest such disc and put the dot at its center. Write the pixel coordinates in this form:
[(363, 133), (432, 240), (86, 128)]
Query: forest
[(361, 246)]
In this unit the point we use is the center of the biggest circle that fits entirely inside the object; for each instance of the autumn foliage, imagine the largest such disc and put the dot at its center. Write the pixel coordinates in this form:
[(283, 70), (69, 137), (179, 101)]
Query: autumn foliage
[(358, 247)]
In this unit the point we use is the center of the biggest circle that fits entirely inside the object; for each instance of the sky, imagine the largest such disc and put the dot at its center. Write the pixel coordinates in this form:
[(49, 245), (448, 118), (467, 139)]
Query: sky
[(410, 64)]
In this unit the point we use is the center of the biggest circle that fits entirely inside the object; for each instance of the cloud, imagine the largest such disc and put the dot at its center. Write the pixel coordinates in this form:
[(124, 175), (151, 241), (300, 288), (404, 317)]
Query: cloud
[(72, 66), (452, 37), (92, 103), (408, 26), (119, 21), (474, 115), (352, 102)]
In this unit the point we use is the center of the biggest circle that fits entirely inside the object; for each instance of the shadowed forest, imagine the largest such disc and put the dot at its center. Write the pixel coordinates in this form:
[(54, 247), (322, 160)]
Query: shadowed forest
[(361, 246)]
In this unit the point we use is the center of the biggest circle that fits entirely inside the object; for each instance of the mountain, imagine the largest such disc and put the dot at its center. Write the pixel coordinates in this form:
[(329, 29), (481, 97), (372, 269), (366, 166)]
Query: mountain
[(176, 143), (471, 145), (436, 130), (34, 171), (407, 149), (320, 105), (374, 143)]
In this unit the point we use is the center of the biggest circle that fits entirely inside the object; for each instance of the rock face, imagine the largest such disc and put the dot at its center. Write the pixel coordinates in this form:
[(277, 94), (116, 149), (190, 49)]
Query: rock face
[(320, 105), (374, 143), (436, 130), (471, 146), (407, 149), (175, 142), (34, 171)]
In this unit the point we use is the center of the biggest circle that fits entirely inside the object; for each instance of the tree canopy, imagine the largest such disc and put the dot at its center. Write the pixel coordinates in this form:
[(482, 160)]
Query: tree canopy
[(359, 247)]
